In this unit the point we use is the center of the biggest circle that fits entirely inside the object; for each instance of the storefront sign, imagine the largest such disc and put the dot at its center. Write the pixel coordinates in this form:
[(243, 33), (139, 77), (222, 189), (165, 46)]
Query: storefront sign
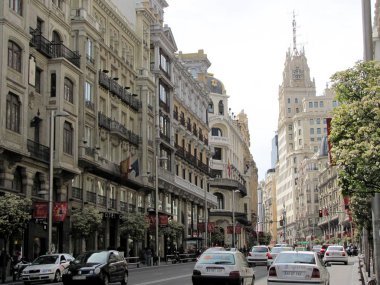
[(40, 210), (59, 211)]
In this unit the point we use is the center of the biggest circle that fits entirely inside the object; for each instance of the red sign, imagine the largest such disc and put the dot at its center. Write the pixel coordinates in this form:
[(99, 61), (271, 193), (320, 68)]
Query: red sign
[(230, 230), (210, 227), (40, 210), (59, 211), (163, 220), (201, 227)]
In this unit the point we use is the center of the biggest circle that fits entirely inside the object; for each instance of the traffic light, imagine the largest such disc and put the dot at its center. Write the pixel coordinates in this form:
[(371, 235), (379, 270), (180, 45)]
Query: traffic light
[(320, 213)]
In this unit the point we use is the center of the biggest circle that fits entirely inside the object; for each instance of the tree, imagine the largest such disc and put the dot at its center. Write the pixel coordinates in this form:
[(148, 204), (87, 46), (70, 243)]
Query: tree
[(355, 136), (173, 230), (14, 214), (134, 225), (217, 237), (85, 221)]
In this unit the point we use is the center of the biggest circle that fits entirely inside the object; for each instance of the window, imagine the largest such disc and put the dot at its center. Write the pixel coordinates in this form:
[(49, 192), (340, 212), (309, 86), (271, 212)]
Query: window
[(315, 104), (310, 104), (37, 184), (216, 132), (221, 107), (289, 110), (297, 110), (17, 180), (318, 131), (288, 100), (321, 104), (220, 200), (296, 100), (53, 84), (164, 125), (300, 132), (88, 95), (40, 24), (211, 108), (163, 93), (312, 131), (13, 109), (38, 84), (68, 90), (218, 153), (290, 127), (68, 134), (311, 121), (164, 63), (335, 104), (14, 56), (16, 6), (90, 50)]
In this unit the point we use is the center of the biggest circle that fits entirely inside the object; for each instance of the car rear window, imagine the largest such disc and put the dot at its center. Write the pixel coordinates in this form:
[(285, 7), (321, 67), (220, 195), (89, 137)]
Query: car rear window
[(217, 258), (259, 249), (280, 249), (338, 248), (295, 257)]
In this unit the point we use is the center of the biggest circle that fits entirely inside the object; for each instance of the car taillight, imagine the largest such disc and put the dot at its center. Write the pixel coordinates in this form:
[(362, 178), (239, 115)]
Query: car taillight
[(315, 273), (235, 274), (249, 254), (327, 253), (269, 255), (343, 254), (272, 272), (196, 272)]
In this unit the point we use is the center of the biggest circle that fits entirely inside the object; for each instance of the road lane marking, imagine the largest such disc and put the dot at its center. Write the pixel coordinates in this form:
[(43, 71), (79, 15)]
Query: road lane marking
[(163, 280)]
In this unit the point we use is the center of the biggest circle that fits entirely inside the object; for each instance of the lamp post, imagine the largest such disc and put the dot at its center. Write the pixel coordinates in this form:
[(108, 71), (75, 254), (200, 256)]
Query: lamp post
[(206, 215), (53, 115), (156, 184), (233, 217)]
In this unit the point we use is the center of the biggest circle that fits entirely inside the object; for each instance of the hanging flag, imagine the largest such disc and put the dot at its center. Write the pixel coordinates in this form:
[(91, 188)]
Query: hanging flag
[(124, 167), (135, 167)]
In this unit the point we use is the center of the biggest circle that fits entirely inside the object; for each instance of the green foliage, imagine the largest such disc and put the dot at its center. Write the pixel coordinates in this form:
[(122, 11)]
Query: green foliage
[(217, 237), (173, 230), (355, 136), (14, 214), (134, 225), (85, 221)]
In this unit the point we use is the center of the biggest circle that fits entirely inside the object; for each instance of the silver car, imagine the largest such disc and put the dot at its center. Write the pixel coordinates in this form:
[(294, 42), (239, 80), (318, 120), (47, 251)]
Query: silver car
[(275, 251), (298, 267), (336, 253), (223, 267), (258, 254)]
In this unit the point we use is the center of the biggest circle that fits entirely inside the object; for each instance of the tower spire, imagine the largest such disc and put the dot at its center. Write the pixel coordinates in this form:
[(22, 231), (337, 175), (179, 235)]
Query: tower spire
[(295, 51)]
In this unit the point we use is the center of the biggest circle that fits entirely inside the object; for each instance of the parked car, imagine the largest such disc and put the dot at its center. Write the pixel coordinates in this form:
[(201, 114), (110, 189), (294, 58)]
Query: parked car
[(274, 252), (46, 268), (316, 248), (97, 267), (298, 267), (223, 267), (336, 253), (258, 254)]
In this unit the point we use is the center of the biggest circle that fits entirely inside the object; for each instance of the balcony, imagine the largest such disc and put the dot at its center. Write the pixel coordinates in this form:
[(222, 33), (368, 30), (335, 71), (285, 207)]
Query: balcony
[(195, 190), (112, 203), (229, 184), (52, 49), (116, 128), (102, 200), (91, 197), (76, 193), (38, 151)]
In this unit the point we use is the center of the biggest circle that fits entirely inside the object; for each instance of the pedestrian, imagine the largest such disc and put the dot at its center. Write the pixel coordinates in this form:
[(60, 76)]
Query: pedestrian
[(4, 259), (148, 256)]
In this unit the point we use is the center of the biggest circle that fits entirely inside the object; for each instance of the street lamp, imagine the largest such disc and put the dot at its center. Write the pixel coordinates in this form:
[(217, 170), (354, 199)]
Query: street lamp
[(156, 184), (233, 217), (53, 115)]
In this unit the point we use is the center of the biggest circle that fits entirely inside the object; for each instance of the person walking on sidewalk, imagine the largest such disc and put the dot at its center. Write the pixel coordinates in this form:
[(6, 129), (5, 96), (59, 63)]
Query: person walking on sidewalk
[(4, 259)]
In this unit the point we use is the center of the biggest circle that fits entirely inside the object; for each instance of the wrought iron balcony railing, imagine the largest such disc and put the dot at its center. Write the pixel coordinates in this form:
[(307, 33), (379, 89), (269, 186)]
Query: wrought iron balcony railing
[(38, 151)]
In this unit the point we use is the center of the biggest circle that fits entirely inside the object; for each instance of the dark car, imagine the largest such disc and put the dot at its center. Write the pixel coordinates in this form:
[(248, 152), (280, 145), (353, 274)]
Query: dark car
[(97, 267)]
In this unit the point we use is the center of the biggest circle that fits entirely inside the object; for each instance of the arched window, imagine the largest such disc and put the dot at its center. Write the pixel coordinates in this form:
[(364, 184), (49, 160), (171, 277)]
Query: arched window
[(211, 108), (221, 108), (17, 180), (68, 90), (220, 200), (14, 56), (56, 44), (216, 132), (68, 134), (13, 108)]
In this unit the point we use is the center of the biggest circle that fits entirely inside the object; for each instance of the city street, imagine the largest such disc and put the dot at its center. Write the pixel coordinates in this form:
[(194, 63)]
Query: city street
[(174, 274)]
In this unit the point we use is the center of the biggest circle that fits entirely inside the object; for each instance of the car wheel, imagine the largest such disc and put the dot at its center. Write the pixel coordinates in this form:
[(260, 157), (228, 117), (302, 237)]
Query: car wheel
[(125, 280), (57, 276), (345, 263), (26, 283)]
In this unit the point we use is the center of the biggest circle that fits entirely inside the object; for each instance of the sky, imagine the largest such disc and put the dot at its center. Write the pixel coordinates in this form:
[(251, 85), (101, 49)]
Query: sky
[(246, 42)]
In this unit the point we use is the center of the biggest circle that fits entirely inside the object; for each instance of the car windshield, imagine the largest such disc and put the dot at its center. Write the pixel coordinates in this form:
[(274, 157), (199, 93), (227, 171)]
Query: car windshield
[(295, 257), (45, 259), (259, 249), (338, 248), (92, 257), (217, 258)]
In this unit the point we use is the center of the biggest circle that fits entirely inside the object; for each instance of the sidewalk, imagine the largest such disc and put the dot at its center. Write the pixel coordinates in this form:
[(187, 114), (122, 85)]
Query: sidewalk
[(366, 280)]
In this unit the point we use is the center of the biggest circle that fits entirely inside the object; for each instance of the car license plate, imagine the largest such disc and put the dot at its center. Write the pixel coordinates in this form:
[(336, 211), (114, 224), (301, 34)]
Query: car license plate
[(293, 273), (79, 277), (215, 270)]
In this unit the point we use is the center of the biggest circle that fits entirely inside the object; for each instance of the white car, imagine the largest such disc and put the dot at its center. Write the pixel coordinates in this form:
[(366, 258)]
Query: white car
[(274, 252), (258, 254), (298, 267), (336, 253), (223, 267), (46, 268)]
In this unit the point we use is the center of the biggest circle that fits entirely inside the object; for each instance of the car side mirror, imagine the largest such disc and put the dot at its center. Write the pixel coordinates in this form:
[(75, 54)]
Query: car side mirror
[(327, 264), (63, 261)]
